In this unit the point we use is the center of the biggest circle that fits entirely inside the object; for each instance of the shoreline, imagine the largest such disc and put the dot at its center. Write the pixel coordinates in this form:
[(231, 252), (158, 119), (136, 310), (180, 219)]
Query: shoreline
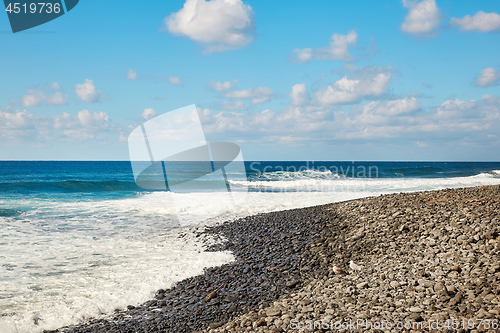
[(425, 255)]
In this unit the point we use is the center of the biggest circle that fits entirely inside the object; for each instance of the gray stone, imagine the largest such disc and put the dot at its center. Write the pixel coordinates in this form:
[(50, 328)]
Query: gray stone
[(440, 287), (273, 312), (394, 284), (362, 285)]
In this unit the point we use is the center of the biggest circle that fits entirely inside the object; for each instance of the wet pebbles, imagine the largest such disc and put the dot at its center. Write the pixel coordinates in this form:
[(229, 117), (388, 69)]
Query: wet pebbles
[(424, 256)]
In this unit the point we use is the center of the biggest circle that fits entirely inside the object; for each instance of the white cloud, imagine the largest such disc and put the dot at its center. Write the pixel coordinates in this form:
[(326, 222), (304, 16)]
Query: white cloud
[(21, 119), (131, 74), (219, 86), (380, 113), (299, 95), (457, 113), (337, 50), (23, 125), (264, 118), (258, 95), (64, 121), (488, 77), (267, 124), (456, 109), (148, 113), (78, 135), (490, 100), (421, 144), (393, 108), (453, 120), (87, 92), (304, 55), (481, 22), (93, 120), (423, 19), (57, 98), (403, 120), (232, 106), (236, 106), (34, 97), (175, 80), (219, 24), (368, 81), (223, 121), (54, 85)]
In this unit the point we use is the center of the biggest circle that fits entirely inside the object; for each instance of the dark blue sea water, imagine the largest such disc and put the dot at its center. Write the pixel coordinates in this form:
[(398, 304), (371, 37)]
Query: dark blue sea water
[(108, 179), (79, 239)]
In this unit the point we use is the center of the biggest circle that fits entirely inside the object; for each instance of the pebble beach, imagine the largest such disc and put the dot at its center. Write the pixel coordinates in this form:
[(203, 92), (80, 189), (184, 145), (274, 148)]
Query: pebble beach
[(428, 262)]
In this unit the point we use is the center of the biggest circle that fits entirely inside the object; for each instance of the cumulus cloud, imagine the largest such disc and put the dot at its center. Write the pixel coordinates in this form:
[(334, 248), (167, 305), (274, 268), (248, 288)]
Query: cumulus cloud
[(480, 22), (403, 119), (366, 82), (32, 98), (20, 119), (392, 108), (267, 124), (374, 118), (383, 112), (488, 77), (258, 95), (176, 80), (148, 113), (87, 92), (56, 98), (87, 125), (37, 95), (54, 85), (93, 120), (233, 106), (423, 19), (24, 125), (221, 122), (84, 121), (472, 115), (219, 86), (218, 24), (64, 121), (337, 50), (299, 94), (453, 108), (452, 119), (131, 74)]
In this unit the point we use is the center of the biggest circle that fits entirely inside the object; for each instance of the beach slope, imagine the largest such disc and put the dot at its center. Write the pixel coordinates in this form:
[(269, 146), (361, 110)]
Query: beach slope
[(430, 260)]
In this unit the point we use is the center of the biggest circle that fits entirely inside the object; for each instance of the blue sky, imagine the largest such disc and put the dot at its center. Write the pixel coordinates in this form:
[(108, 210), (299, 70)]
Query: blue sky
[(286, 80)]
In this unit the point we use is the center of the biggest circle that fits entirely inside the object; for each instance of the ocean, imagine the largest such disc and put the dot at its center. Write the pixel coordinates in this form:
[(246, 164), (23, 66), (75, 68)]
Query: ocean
[(81, 239)]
